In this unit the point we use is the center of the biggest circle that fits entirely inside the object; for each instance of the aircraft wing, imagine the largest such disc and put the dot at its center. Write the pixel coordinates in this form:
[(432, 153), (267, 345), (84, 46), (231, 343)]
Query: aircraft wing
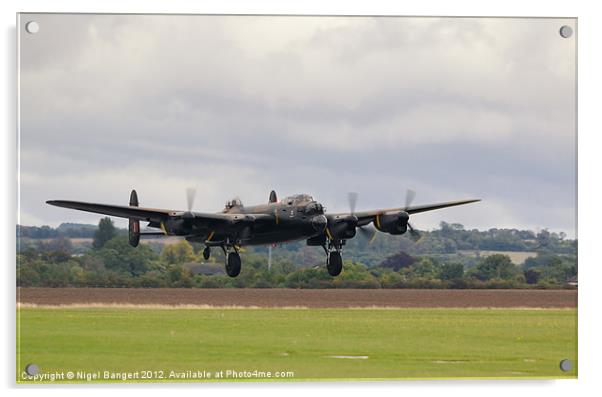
[(430, 207), (122, 211), (154, 215), (365, 217)]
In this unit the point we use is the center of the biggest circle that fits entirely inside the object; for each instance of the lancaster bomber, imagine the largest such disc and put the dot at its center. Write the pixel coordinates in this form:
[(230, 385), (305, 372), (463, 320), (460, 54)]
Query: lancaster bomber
[(297, 217)]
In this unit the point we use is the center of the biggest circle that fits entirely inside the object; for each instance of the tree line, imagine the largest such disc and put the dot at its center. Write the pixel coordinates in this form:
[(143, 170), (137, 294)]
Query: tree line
[(112, 262)]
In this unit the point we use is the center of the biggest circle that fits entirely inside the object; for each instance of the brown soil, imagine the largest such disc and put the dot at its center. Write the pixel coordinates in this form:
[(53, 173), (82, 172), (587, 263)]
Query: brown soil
[(318, 298)]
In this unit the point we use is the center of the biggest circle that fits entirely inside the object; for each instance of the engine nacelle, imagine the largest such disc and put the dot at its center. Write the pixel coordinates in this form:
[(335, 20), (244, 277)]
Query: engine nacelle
[(342, 227), (392, 223), (344, 231)]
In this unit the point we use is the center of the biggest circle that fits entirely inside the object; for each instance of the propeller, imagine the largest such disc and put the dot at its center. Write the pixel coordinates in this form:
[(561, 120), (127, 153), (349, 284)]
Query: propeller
[(189, 215), (190, 195), (368, 233), (352, 198), (415, 235), (410, 195), (269, 257)]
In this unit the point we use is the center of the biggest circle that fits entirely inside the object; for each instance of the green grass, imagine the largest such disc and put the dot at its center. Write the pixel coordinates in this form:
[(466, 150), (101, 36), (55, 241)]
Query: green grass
[(399, 343)]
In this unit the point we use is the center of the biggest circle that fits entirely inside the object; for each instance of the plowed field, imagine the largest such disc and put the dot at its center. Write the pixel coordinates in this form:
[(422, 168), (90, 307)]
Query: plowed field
[(325, 298)]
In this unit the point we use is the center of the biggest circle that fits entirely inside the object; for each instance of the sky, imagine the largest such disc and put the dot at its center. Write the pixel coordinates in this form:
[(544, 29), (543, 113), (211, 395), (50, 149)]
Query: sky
[(452, 108)]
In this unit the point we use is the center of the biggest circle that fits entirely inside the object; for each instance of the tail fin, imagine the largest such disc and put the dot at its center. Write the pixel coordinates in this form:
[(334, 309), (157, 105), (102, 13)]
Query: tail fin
[(134, 226), (273, 197), (134, 199)]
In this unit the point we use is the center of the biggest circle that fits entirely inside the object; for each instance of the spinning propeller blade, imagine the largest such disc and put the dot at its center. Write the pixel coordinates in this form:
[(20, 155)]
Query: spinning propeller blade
[(368, 233), (410, 195), (352, 198), (190, 194)]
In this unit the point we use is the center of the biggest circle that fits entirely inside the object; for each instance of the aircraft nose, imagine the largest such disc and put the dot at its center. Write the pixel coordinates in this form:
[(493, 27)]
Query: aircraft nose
[(319, 223)]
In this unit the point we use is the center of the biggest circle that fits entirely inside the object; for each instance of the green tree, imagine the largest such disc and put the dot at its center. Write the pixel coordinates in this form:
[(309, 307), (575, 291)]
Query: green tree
[(180, 276), (106, 231), (544, 238), (390, 279), (181, 252), (425, 268), (117, 254), (451, 271), (152, 279), (398, 261), (28, 275), (496, 266), (543, 259), (532, 276)]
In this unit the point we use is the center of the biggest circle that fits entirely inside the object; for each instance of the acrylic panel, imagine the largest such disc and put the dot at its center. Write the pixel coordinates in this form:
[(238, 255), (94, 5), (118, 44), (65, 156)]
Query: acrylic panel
[(400, 198)]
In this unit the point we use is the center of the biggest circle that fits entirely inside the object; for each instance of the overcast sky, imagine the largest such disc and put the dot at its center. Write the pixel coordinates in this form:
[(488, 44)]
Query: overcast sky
[(236, 106)]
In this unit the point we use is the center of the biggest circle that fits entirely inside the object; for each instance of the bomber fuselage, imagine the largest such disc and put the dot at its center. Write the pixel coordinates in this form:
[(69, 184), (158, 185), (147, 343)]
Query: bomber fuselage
[(297, 217)]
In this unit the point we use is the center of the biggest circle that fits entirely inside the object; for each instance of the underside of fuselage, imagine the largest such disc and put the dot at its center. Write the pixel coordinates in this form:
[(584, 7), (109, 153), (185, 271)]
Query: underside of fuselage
[(283, 229), (294, 219), (267, 238)]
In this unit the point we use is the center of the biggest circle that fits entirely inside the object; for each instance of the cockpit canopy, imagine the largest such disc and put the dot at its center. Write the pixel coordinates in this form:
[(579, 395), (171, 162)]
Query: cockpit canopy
[(304, 200), (296, 199), (314, 208), (235, 202)]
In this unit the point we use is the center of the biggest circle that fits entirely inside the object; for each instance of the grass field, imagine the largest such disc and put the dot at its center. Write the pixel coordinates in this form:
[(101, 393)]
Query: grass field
[(310, 343), (517, 257)]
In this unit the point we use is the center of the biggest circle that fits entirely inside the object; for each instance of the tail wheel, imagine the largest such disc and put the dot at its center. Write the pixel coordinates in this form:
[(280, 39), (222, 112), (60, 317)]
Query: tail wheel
[(335, 263), (233, 264)]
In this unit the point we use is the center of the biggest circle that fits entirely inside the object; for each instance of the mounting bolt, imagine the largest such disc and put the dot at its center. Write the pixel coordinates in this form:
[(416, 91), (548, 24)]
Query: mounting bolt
[(566, 31), (32, 369), (32, 27), (566, 365)]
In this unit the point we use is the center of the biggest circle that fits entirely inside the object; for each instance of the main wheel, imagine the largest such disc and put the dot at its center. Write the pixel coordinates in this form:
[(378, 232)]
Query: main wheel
[(233, 264), (335, 263), (206, 253)]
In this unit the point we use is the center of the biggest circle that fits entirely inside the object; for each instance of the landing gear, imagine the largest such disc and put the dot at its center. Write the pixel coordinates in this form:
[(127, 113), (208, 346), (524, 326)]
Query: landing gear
[(334, 260), (334, 264), (233, 261), (207, 253), (233, 264)]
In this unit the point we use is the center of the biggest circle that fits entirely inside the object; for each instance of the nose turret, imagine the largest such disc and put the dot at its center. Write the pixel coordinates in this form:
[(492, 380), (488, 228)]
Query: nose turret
[(319, 222)]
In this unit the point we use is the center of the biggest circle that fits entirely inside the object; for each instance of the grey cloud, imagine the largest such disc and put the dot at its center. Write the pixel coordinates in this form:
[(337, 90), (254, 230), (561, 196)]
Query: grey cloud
[(240, 105)]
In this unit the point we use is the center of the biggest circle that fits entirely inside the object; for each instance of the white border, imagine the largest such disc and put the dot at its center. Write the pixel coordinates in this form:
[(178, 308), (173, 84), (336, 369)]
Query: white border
[(590, 34)]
